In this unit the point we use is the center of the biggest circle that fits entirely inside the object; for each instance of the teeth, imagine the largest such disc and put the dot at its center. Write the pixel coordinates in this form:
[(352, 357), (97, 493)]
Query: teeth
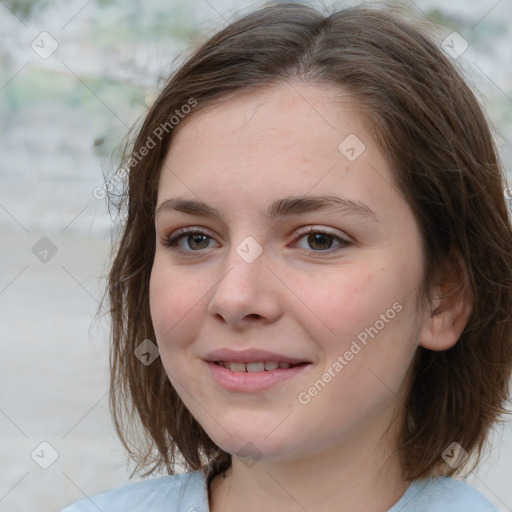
[(237, 367), (256, 367)]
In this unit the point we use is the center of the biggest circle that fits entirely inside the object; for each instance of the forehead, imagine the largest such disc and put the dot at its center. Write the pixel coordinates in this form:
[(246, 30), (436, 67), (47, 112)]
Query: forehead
[(269, 116), (289, 139)]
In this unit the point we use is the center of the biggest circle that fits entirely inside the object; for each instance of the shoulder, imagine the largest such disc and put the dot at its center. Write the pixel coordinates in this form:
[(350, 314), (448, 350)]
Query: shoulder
[(442, 495), (186, 492)]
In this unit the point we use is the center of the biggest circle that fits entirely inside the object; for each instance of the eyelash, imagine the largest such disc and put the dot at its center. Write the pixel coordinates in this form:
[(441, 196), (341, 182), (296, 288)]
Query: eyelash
[(171, 242)]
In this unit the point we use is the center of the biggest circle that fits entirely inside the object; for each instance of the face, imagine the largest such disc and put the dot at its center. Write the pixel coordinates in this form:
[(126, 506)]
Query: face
[(332, 286)]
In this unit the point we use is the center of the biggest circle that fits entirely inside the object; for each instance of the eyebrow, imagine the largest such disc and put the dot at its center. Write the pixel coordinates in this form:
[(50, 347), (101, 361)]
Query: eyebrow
[(279, 208)]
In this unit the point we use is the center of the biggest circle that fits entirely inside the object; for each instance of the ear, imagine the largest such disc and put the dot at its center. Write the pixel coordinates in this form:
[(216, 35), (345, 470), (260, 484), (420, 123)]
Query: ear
[(450, 308)]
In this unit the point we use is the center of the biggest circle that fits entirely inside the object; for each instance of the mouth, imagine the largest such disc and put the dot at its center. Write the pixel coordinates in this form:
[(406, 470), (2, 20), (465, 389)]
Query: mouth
[(254, 376), (257, 366)]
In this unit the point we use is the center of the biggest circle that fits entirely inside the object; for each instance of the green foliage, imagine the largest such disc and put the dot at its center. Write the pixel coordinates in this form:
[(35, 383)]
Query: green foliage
[(26, 8)]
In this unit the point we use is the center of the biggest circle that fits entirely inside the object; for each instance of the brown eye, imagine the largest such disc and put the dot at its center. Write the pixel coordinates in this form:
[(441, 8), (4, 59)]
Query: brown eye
[(319, 241), (195, 240)]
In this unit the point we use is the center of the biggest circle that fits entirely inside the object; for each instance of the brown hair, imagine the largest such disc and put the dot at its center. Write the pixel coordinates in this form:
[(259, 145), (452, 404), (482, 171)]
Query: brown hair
[(445, 165)]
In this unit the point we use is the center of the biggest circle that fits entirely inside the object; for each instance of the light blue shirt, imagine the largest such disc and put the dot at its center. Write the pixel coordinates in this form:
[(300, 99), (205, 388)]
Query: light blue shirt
[(188, 492)]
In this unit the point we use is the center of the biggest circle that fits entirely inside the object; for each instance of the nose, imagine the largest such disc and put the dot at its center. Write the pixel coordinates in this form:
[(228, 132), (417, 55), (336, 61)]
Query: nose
[(248, 291)]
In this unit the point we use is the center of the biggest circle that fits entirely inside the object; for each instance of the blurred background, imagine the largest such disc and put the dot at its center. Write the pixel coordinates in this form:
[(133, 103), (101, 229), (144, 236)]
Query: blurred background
[(74, 77)]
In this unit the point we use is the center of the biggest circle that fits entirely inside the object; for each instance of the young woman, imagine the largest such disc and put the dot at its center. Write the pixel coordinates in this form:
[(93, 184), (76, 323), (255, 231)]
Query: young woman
[(317, 241)]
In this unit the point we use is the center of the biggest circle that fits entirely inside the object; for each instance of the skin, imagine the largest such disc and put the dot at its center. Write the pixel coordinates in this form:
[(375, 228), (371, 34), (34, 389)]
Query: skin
[(297, 298)]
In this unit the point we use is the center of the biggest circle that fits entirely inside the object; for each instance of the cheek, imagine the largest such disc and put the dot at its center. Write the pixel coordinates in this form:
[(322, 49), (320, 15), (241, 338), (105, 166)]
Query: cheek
[(174, 302), (367, 316), (341, 305), (381, 340)]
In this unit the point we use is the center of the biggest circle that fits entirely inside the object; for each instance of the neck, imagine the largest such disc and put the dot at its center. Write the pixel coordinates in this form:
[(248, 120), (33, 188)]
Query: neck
[(358, 474)]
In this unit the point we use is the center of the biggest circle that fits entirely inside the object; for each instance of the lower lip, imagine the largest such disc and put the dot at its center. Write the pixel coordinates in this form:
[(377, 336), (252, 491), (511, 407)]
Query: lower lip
[(247, 382)]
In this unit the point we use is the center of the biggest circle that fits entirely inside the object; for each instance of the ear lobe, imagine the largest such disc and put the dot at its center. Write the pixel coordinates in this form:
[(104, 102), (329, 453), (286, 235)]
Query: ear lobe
[(451, 309)]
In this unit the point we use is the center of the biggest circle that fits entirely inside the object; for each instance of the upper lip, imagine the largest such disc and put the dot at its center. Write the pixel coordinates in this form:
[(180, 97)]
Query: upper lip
[(250, 355)]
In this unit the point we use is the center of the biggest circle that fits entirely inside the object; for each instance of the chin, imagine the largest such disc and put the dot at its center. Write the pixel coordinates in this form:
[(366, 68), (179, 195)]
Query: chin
[(252, 445)]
